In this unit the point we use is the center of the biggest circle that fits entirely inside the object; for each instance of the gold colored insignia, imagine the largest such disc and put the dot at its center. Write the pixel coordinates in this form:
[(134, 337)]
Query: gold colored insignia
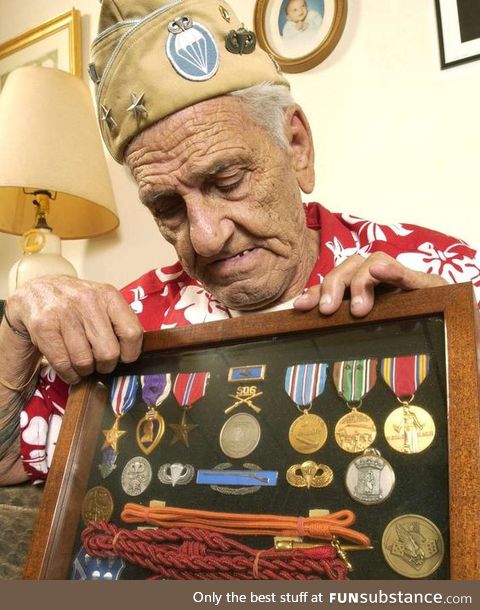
[(309, 474), (150, 430), (245, 396)]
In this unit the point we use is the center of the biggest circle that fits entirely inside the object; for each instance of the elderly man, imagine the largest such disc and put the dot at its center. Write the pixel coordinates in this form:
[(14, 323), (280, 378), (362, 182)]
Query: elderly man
[(220, 151)]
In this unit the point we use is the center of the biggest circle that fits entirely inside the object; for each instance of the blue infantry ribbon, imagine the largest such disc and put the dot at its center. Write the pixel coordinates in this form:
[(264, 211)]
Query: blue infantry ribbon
[(150, 429), (304, 382), (240, 374), (244, 478), (122, 398)]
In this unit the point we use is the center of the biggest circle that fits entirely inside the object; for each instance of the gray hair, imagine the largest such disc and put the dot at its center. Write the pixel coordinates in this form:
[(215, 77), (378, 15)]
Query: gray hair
[(267, 104)]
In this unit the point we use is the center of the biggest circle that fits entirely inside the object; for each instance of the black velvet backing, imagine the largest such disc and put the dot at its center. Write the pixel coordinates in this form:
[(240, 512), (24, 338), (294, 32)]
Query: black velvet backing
[(421, 479)]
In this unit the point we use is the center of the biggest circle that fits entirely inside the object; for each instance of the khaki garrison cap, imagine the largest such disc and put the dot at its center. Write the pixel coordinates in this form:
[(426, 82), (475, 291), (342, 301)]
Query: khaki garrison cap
[(153, 57)]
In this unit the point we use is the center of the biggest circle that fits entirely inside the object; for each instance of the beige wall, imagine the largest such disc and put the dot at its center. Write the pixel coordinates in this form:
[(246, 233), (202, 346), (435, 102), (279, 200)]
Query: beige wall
[(397, 138)]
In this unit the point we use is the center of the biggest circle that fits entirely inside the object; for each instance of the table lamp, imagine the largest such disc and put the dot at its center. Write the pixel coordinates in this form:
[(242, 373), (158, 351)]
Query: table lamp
[(54, 181)]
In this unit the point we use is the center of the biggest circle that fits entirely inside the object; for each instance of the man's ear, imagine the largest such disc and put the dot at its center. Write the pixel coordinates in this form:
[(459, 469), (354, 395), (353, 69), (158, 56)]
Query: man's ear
[(300, 143)]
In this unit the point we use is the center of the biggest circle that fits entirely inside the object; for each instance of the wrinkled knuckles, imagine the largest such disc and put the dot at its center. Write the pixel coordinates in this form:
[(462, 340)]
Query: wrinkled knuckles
[(132, 334), (84, 365)]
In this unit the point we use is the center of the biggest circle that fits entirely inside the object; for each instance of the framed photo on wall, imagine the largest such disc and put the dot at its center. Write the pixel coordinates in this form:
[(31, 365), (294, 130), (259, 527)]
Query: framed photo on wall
[(417, 513), (299, 34), (458, 24), (57, 43)]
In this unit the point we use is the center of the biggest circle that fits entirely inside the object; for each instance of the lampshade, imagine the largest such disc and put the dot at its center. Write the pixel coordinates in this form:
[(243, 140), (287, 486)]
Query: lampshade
[(49, 141)]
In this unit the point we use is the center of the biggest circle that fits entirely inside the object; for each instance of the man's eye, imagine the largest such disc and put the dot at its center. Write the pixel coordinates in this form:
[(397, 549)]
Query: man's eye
[(228, 188), (230, 184), (166, 208)]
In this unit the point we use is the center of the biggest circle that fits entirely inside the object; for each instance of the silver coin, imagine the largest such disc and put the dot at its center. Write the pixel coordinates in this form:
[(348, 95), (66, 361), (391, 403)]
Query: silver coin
[(136, 476), (240, 435), (370, 479)]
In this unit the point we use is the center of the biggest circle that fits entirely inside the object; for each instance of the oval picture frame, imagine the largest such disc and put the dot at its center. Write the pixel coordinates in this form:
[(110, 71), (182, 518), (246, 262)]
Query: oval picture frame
[(299, 34)]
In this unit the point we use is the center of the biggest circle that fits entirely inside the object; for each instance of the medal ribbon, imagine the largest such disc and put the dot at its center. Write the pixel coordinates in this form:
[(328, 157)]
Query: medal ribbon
[(122, 394), (190, 387), (354, 378), (304, 382), (403, 374), (155, 388)]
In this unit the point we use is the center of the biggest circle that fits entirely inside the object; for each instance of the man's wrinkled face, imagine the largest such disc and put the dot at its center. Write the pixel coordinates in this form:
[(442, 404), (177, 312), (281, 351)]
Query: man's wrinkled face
[(225, 195)]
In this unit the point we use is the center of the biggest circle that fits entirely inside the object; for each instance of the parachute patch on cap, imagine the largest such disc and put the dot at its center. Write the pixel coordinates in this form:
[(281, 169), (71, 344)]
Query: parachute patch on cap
[(192, 49)]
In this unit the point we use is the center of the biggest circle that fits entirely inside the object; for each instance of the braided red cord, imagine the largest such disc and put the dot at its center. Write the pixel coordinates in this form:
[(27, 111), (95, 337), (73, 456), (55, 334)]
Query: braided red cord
[(196, 554)]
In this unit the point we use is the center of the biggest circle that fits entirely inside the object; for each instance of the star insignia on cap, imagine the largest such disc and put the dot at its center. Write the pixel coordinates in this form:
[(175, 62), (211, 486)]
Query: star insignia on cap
[(107, 117), (137, 106)]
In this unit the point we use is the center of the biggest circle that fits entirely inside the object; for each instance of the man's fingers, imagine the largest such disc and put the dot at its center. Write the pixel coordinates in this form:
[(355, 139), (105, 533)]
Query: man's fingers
[(79, 326), (336, 283), (308, 300), (396, 274), (127, 328), (361, 276)]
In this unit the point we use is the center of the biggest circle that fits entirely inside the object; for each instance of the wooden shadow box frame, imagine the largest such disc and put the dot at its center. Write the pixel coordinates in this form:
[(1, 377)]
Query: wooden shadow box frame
[(449, 309)]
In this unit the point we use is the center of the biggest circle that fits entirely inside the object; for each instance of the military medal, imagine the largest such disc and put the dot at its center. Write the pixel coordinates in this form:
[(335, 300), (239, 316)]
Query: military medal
[(239, 435), (370, 479), (413, 546), (136, 476), (150, 429), (303, 383), (309, 474), (353, 379), (122, 398), (408, 429), (97, 505), (187, 389)]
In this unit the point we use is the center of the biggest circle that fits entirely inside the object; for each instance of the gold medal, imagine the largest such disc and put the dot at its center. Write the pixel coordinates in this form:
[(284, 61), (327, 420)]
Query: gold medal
[(303, 383), (150, 430), (355, 431), (97, 505), (409, 429), (309, 474), (413, 546), (308, 433)]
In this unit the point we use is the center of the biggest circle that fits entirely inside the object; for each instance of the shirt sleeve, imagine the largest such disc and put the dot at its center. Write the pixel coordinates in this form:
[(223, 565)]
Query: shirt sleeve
[(40, 422)]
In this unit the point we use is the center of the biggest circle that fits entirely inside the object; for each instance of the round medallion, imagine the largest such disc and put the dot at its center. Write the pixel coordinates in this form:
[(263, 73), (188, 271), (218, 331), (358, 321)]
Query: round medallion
[(355, 432), (413, 546), (97, 505), (370, 479), (308, 433), (136, 476), (239, 435), (409, 429)]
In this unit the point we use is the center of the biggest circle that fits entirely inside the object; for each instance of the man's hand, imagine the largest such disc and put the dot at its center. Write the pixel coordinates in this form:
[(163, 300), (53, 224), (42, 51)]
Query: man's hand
[(361, 275), (79, 326)]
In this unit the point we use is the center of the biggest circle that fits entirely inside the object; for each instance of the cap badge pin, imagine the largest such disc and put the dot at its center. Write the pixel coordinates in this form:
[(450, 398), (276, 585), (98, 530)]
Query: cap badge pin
[(192, 50), (241, 41)]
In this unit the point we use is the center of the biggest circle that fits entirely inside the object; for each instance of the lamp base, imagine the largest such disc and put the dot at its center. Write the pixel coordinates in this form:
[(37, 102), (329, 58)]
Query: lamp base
[(42, 256)]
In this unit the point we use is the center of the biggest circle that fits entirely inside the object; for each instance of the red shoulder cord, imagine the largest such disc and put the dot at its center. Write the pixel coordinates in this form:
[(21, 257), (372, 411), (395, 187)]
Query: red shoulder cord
[(186, 553), (325, 527)]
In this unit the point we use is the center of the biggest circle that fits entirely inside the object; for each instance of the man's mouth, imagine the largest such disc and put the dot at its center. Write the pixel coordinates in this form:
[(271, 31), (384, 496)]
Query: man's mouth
[(235, 256)]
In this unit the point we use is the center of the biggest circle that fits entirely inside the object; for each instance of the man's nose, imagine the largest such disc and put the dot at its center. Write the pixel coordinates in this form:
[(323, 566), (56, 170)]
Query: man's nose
[(210, 229)]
